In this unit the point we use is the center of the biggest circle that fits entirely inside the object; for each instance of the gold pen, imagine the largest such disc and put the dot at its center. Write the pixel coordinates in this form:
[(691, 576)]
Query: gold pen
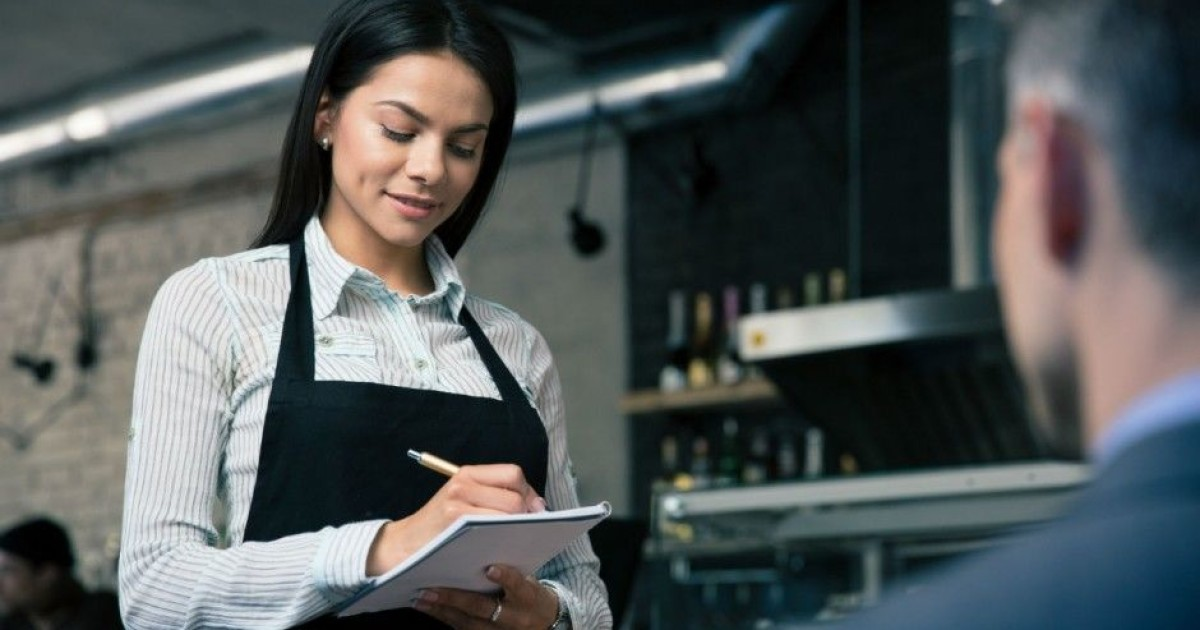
[(433, 462)]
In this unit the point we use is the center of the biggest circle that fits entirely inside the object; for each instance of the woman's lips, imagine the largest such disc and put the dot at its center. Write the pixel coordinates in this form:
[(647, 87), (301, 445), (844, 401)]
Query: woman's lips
[(411, 207)]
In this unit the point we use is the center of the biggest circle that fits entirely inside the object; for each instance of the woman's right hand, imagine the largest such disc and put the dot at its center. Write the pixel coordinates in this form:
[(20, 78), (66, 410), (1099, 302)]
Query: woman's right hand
[(486, 489)]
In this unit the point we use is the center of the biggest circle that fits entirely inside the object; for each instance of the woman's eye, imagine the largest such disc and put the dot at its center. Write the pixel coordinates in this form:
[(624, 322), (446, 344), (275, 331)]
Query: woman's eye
[(398, 136), (462, 152)]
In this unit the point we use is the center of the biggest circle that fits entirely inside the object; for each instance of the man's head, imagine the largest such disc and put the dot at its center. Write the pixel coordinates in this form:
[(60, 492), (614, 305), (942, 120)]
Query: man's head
[(35, 557), (1100, 177)]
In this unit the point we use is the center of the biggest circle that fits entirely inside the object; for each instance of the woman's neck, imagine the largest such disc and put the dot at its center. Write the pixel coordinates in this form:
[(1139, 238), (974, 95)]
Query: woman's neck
[(402, 269)]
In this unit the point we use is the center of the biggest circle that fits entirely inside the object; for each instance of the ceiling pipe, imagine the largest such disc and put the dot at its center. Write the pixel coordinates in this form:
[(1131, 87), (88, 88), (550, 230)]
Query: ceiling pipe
[(680, 85), (239, 77), (243, 76)]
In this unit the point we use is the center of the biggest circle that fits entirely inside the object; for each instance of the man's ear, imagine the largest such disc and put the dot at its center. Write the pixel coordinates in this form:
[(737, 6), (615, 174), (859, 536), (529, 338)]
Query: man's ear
[(326, 112), (1066, 189)]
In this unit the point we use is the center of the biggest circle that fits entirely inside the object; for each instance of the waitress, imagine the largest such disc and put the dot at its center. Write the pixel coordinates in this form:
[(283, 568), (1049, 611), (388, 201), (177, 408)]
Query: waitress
[(287, 382)]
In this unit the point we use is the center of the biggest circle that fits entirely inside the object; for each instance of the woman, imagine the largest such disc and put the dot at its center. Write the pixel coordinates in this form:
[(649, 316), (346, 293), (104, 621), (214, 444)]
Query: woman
[(288, 381)]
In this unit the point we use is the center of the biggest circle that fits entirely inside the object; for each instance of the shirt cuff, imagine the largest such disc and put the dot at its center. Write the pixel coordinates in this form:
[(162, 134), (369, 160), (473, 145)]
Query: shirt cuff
[(340, 566), (567, 598)]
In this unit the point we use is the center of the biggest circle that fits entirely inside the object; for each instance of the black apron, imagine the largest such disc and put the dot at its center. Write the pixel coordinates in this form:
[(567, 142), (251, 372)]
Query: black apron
[(334, 452)]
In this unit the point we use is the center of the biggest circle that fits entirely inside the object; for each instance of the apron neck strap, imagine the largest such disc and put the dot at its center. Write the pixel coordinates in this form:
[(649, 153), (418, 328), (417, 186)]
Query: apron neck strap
[(295, 361), (296, 358), (510, 391)]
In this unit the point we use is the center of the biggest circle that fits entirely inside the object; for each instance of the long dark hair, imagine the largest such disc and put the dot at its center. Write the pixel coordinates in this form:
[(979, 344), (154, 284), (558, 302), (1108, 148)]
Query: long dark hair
[(359, 36)]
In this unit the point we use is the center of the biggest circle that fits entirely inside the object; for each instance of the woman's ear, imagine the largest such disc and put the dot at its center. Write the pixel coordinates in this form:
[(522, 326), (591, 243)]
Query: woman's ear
[(326, 113)]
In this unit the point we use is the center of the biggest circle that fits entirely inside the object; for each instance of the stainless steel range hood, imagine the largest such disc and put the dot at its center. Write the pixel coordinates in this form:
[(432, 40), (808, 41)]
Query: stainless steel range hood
[(907, 381)]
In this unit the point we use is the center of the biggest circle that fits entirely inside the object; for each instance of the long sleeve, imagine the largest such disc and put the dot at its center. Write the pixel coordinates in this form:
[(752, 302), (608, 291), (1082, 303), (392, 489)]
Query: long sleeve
[(576, 569), (173, 571)]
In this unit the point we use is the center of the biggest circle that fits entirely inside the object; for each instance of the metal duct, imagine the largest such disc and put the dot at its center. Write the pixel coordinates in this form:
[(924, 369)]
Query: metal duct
[(682, 85), (239, 77), (243, 76)]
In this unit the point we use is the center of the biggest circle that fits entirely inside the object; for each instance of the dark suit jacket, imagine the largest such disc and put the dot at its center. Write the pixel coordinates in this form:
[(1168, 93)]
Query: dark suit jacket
[(1127, 556)]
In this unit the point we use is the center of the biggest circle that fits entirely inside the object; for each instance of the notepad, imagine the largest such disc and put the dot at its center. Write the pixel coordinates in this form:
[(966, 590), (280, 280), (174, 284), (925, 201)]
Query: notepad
[(458, 557)]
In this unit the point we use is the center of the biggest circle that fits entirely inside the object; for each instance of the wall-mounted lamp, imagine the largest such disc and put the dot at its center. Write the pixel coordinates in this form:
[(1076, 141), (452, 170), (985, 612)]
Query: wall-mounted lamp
[(587, 236)]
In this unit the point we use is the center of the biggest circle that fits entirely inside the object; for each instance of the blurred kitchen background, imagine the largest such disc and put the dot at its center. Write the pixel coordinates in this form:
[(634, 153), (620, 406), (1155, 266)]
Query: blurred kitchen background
[(754, 234)]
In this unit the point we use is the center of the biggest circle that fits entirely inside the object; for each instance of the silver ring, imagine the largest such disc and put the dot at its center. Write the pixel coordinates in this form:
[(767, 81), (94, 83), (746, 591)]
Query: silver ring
[(496, 613)]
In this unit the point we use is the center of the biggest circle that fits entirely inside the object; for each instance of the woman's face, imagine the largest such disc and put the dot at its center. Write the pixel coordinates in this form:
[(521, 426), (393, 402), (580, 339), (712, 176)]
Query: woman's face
[(406, 148)]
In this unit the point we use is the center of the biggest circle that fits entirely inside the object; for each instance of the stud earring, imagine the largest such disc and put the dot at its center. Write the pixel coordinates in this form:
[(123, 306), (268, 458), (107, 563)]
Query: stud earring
[(325, 142)]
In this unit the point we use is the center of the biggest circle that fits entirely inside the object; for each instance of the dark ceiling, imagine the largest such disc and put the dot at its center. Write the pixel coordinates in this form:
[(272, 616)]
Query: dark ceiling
[(595, 32), (52, 51)]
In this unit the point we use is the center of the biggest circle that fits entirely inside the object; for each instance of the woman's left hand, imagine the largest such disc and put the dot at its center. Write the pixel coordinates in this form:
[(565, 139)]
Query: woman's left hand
[(523, 604)]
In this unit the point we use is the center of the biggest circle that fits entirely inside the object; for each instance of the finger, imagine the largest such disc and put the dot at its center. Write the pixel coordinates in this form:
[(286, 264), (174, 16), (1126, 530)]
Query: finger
[(475, 497), (469, 603), (516, 585), (501, 475), (506, 476)]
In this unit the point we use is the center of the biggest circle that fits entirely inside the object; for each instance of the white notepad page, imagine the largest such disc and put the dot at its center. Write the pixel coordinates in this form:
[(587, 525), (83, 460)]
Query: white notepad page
[(458, 557)]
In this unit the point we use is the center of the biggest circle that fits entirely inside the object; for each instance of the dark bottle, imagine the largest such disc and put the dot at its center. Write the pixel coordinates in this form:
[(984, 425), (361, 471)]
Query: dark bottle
[(784, 298), (701, 468), (673, 376), (668, 460), (729, 466), (757, 467)]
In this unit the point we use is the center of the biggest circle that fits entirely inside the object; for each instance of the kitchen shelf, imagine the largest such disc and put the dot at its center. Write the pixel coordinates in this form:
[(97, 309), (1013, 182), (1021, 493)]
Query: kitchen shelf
[(752, 393)]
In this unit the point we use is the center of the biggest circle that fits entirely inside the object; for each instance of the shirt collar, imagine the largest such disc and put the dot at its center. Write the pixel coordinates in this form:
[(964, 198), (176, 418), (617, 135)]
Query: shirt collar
[(329, 274), (1166, 406)]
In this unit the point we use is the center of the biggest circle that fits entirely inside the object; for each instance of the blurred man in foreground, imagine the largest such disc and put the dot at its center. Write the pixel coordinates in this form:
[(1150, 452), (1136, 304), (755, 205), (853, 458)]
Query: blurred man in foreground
[(1096, 245), (38, 589)]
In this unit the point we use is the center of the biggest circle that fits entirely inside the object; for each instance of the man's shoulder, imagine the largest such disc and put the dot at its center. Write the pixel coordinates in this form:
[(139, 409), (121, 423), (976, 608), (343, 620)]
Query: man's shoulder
[(1072, 572)]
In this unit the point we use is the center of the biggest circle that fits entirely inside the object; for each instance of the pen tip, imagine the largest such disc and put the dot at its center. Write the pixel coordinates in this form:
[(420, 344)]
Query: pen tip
[(413, 454)]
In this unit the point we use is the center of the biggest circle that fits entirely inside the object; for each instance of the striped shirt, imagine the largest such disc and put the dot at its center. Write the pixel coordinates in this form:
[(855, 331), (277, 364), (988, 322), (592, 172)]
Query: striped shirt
[(203, 379)]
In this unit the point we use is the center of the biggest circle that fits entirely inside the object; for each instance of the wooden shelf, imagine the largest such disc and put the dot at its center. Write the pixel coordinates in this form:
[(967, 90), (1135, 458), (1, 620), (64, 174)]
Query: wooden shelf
[(757, 392)]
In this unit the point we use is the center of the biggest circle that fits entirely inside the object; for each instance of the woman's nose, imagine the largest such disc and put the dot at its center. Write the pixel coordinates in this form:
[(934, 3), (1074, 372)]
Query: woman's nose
[(426, 162)]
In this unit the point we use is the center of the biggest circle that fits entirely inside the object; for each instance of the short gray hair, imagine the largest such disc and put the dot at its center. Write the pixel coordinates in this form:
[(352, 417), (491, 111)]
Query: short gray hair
[(1129, 70)]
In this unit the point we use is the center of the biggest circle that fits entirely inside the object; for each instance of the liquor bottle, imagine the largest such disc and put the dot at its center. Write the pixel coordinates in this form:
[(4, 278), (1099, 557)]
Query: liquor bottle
[(729, 364), (787, 458), (812, 288), (673, 376), (701, 468), (757, 467), (700, 371), (729, 465), (814, 453), (758, 298), (668, 455), (837, 285), (783, 297)]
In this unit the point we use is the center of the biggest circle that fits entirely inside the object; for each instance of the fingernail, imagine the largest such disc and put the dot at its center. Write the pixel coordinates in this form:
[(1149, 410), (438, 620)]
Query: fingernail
[(539, 505), (493, 572), (429, 596)]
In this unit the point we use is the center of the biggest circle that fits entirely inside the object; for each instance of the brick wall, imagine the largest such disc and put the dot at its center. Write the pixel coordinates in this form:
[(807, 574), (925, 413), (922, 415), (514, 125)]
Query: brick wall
[(62, 444)]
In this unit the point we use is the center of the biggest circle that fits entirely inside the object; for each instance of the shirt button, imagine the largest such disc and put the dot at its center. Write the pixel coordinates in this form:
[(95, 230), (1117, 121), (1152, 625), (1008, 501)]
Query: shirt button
[(421, 364), (325, 341)]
